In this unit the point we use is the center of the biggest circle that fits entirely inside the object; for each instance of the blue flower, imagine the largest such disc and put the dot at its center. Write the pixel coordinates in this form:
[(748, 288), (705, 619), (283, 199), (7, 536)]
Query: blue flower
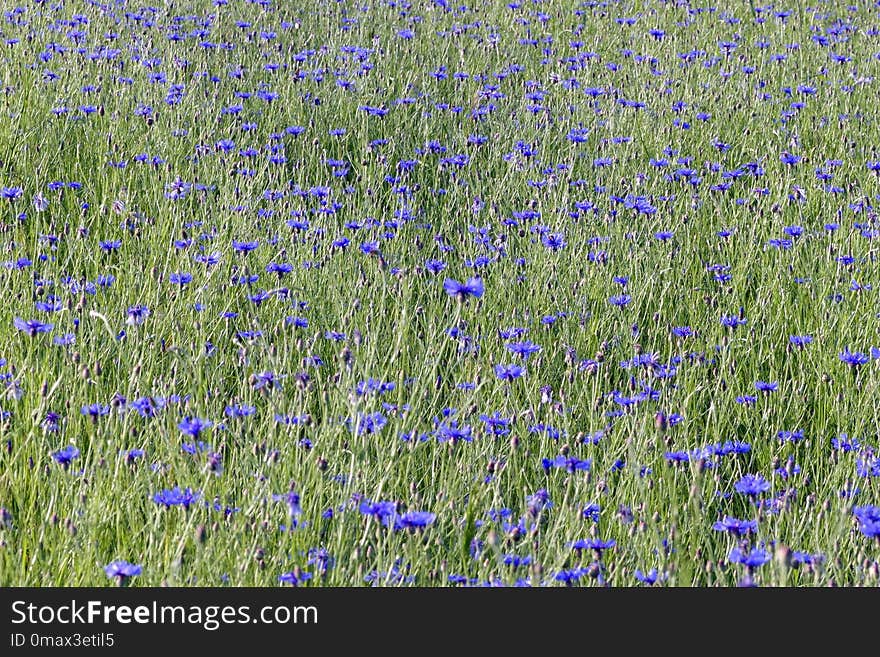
[(595, 544), (176, 497), (523, 349), (95, 410), (754, 558), (414, 520), (752, 485), (538, 502), (509, 372), (554, 241), (592, 512), (472, 287), (853, 359), (735, 526), (868, 517), (650, 578), (31, 326), (193, 426), (294, 577), (569, 463), (65, 456), (122, 569)]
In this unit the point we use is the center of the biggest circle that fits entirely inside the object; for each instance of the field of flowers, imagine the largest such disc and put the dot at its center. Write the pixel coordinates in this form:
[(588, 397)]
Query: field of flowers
[(430, 293)]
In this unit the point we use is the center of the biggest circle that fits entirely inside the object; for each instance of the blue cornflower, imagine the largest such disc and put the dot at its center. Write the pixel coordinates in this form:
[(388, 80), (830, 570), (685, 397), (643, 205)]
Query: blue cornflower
[(853, 359), (592, 512), (752, 485), (554, 241), (321, 558), (435, 266), (798, 557), (294, 577), (379, 510), (193, 426), (31, 326), (265, 381), (595, 544), (791, 436), (570, 576), (133, 455), (472, 287), (176, 497), (65, 456), (11, 193), (122, 569), (414, 520), (369, 423), (509, 372), (869, 520), (569, 463), (735, 526), (95, 410), (650, 578), (524, 349), (244, 247), (752, 559), (538, 502)]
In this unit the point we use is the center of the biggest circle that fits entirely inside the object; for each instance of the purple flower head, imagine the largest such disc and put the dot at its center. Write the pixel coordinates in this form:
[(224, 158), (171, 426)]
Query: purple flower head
[(538, 502), (735, 526), (193, 426), (136, 314), (569, 463), (65, 456), (95, 410), (412, 520), (523, 349), (650, 578), (380, 510), (294, 577), (752, 485), (509, 372), (853, 359), (595, 544), (122, 569), (176, 497), (472, 287), (31, 326), (754, 558), (554, 241), (869, 520), (266, 381)]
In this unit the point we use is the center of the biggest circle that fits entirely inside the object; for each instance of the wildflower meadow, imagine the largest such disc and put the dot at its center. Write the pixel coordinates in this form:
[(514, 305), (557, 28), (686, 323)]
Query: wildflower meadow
[(439, 293)]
